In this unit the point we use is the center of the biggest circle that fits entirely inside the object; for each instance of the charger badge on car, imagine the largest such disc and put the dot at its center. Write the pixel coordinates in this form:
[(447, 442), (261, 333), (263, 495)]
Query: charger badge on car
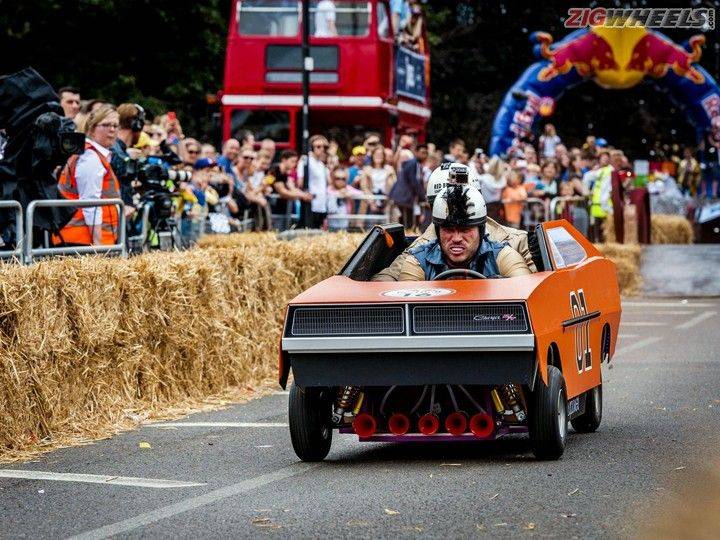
[(422, 292)]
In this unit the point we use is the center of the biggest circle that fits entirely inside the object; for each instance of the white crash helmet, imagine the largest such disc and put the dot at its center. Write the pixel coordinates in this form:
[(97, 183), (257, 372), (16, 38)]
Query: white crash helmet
[(449, 173), (460, 205)]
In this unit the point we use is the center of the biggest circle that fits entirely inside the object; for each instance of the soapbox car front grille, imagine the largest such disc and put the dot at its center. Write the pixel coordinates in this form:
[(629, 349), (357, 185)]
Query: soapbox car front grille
[(407, 320), (434, 319), (348, 321)]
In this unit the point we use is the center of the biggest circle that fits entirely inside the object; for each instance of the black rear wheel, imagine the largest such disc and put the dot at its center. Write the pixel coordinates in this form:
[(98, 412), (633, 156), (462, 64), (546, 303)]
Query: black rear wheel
[(309, 414), (548, 416), (589, 421)]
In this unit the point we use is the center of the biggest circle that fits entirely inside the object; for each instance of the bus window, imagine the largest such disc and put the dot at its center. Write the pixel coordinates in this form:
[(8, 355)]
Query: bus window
[(268, 17), (273, 125), (383, 21), (329, 18)]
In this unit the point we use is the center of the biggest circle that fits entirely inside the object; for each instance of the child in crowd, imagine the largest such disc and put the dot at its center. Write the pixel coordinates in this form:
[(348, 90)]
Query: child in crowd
[(514, 195), (341, 199)]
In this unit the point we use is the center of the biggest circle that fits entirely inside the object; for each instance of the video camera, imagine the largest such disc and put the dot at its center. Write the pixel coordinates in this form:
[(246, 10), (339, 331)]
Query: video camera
[(39, 141), (156, 185)]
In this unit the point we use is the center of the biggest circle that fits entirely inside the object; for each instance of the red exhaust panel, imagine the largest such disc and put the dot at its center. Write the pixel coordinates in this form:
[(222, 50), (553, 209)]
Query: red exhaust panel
[(399, 424), (364, 425), (482, 425), (456, 423), (428, 424)]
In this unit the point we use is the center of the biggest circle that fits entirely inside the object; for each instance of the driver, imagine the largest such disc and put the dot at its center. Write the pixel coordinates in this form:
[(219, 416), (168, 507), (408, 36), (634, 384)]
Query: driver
[(459, 215), (441, 177)]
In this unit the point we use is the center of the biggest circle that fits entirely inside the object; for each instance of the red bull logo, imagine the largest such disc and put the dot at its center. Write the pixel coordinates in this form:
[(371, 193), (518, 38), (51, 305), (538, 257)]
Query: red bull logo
[(620, 57)]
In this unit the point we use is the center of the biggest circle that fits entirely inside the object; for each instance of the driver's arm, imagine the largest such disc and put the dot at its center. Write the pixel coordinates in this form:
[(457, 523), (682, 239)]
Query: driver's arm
[(411, 270), (511, 263)]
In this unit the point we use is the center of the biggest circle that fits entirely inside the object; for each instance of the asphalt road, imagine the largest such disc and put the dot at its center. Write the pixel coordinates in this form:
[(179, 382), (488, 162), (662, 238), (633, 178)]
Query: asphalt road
[(660, 428)]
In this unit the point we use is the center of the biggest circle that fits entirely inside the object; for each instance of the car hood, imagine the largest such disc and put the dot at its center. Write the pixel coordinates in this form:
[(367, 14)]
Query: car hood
[(343, 290)]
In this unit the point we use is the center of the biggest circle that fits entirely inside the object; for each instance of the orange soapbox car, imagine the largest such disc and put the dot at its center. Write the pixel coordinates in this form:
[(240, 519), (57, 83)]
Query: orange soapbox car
[(466, 360)]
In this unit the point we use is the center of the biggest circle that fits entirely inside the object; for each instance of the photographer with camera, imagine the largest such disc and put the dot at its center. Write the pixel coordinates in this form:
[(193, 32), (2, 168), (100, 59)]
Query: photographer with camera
[(90, 176), (132, 120)]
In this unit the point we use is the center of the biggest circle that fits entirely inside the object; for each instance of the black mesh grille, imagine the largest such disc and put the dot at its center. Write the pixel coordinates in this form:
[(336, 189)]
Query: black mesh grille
[(348, 321), (469, 319)]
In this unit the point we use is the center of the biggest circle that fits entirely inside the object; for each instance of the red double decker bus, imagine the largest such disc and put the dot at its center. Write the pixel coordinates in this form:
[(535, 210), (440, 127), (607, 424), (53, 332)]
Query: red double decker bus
[(361, 80)]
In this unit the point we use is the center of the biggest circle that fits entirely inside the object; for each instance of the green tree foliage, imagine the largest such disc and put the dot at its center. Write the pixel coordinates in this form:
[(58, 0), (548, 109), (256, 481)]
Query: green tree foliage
[(163, 54), (168, 55)]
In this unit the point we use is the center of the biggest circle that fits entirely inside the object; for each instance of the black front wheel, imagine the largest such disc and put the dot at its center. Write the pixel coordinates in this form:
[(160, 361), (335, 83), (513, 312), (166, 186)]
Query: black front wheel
[(589, 421), (548, 416), (310, 432)]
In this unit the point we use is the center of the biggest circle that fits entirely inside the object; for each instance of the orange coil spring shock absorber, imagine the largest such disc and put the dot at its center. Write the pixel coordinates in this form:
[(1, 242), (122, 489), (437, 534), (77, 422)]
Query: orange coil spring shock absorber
[(345, 401)]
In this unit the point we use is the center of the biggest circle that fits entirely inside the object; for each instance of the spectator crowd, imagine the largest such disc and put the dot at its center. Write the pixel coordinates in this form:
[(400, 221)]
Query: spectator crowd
[(253, 184)]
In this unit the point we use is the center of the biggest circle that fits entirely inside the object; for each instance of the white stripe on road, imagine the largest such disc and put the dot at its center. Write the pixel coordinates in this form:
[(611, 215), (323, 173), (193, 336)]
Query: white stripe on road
[(642, 323), (666, 304), (637, 345), (96, 479), (220, 424), (192, 503), (696, 320), (669, 312), (281, 393)]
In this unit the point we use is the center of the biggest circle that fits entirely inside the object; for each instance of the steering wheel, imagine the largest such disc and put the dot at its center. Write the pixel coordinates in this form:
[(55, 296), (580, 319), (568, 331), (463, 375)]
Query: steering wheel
[(459, 273)]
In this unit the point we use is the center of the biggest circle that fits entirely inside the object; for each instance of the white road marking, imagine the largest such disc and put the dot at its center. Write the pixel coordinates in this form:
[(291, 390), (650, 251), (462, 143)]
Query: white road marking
[(669, 312), (220, 424), (192, 503), (97, 479), (635, 346), (698, 319), (642, 323), (282, 393), (678, 304)]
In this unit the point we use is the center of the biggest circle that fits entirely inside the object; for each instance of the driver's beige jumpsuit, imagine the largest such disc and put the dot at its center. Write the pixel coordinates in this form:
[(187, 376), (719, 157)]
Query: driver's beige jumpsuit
[(517, 239)]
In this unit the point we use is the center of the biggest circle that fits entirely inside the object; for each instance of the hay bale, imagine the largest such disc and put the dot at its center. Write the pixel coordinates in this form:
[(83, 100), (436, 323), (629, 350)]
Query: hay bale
[(664, 229), (668, 229), (627, 261), (88, 341), (235, 239)]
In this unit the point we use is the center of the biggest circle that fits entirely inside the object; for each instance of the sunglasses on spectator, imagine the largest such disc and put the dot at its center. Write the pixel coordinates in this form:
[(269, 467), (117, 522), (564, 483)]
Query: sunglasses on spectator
[(372, 143), (325, 146), (109, 125), (340, 177), (248, 157), (193, 151)]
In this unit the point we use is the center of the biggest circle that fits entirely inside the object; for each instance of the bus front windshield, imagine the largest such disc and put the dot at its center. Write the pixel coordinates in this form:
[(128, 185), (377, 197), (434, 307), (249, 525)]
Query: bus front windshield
[(281, 18)]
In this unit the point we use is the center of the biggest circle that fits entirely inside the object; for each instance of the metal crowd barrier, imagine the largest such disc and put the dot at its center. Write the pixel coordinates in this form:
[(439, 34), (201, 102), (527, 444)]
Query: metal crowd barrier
[(31, 253), (556, 200), (17, 253)]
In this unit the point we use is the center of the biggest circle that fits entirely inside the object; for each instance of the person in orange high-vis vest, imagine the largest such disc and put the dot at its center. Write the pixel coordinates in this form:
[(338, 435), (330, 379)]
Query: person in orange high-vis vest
[(90, 177)]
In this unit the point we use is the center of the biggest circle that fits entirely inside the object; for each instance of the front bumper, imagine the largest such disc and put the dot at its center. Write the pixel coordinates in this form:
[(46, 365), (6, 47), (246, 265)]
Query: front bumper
[(411, 360)]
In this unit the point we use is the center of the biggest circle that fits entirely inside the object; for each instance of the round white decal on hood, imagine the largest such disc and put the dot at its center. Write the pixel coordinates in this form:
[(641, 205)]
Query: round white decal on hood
[(427, 292)]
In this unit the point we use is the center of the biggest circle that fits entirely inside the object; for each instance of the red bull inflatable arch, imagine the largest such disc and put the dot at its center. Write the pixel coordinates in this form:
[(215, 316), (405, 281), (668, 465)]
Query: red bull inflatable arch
[(615, 58)]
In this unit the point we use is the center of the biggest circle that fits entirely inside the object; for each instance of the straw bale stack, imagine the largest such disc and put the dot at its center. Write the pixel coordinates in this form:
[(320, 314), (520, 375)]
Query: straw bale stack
[(85, 340), (664, 229)]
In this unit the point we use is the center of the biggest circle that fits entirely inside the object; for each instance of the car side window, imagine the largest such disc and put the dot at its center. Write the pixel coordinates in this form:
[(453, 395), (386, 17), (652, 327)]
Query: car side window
[(566, 251)]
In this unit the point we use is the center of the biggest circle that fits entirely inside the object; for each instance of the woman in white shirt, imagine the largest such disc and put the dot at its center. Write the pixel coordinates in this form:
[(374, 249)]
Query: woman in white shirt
[(90, 177), (377, 178)]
